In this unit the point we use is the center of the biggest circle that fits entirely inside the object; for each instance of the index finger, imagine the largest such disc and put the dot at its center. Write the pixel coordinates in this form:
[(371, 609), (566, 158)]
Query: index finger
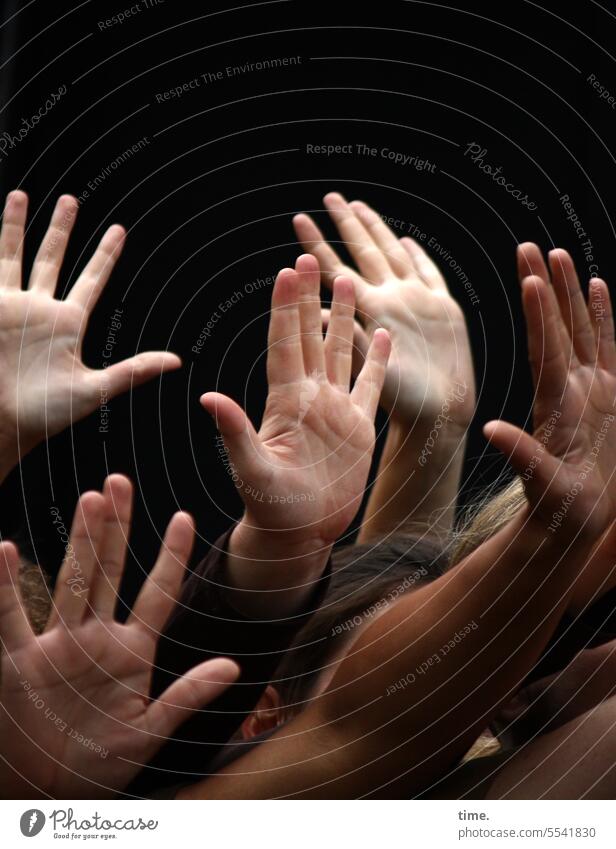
[(367, 254), (314, 242)]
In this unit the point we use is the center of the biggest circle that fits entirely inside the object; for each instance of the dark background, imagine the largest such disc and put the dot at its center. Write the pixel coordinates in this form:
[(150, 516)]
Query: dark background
[(208, 201)]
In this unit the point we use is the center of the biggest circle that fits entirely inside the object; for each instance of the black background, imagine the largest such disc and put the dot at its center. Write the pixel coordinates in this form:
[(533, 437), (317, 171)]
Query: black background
[(208, 200)]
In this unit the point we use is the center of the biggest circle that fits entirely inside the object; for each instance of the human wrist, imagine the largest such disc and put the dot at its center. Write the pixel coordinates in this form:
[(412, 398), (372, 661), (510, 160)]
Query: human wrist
[(422, 445), (256, 556), (250, 538), (413, 434), (418, 480)]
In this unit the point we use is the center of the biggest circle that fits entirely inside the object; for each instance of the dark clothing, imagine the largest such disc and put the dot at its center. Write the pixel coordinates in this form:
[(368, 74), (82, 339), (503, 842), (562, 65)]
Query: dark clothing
[(203, 626), (593, 627)]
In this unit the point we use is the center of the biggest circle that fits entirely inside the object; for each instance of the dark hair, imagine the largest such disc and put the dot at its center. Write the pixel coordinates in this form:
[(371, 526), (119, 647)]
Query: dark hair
[(364, 577)]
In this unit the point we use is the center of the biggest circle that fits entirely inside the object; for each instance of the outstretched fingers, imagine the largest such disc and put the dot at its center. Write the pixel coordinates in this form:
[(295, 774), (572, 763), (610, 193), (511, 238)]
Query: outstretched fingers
[(285, 359), (398, 258), (76, 575), (369, 384), (369, 257), (545, 345), (48, 260), (423, 265), (361, 341), (15, 628), (118, 495), (12, 239), (572, 304), (340, 332), (309, 278), (530, 262), (313, 242), (93, 278)]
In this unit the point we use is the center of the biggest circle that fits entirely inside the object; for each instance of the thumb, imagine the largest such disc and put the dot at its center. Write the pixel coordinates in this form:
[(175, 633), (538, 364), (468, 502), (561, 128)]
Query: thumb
[(137, 370), (518, 446), (528, 457), (197, 688), (240, 436)]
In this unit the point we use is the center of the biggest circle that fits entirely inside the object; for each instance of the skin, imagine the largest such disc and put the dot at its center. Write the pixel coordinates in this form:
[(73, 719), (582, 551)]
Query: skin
[(599, 573), (568, 702), (574, 762), (316, 439), (354, 739), (410, 286), (587, 680), (338, 428), (430, 373), (510, 559), (91, 673), (45, 387), (566, 747), (44, 384)]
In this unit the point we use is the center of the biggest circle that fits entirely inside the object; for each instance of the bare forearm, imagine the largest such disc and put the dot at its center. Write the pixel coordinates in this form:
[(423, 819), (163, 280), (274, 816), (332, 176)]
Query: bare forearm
[(393, 704), (417, 482), (464, 644)]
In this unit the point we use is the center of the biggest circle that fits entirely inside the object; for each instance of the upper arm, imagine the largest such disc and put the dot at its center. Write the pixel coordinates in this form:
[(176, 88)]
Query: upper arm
[(421, 682)]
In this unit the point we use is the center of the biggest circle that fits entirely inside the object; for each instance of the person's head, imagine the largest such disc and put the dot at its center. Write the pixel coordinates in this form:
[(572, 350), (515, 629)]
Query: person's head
[(365, 580)]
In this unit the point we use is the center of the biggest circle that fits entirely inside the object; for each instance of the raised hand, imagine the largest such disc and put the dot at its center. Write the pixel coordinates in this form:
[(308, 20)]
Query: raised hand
[(44, 385), (507, 595), (305, 471), (75, 717), (568, 465), (398, 287), (429, 385)]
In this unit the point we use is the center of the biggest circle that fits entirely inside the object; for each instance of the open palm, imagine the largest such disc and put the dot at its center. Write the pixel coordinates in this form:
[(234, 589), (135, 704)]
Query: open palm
[(76, 718), (399, 288), (44, 384), (572, 453), (305, 470)]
